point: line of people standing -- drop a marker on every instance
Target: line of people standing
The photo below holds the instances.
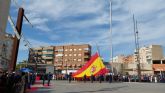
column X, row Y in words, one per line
column 99, row 78
column 16, row 82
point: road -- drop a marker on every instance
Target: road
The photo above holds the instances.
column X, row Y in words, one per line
column 80, row 87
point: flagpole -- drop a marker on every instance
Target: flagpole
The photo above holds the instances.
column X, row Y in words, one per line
column 98, row 51
column 97, row 47
column 111, row 46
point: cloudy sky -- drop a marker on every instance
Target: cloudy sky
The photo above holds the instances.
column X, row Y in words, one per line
column 58, row 22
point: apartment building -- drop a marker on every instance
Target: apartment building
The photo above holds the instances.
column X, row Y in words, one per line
column 150, row 53
column 65, row 58
column 41, row 57
column 69, row 58
column 128, row 65
column 153, row 56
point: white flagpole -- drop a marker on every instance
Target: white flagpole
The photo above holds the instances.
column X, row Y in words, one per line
column 111, row 46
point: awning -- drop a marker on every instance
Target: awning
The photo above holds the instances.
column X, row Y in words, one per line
column 158, row 67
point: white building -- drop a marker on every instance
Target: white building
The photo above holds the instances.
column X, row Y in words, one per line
column 117, row 59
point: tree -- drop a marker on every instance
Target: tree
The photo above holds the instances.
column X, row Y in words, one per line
column 21, row 65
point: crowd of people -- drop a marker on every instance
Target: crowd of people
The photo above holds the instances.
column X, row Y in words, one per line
column 16, row 82
column 156, row 78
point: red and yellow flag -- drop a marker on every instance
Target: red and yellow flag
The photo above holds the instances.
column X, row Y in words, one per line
column 94, row 67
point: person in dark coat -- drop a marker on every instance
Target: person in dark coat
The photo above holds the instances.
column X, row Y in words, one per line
column 85, row 78
column 92, row 78
column 100, row 78
column 43, row 79
column 33, row 78
column 49, row 78
column 70, row 77
column 27, row 80
column 110, row 78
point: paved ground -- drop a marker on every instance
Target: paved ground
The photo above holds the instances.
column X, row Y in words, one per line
column 80, row 87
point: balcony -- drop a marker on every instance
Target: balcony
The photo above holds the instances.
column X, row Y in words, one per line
column 49, row 62
column 47, row 52
column 46, row 57
column 48, row 48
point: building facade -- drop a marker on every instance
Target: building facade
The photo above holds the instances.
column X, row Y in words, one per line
column 41, row 57
column 123, row 64
column 4, row 10
column 153, row 55
column 71, row 57
column 150, row 53
column 65, row 59
column 128, row 65
column 6, row 44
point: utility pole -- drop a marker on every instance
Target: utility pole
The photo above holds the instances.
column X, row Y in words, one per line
column 137, row 48
column 16, row 40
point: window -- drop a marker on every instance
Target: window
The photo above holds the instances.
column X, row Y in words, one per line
column 74, row 59
column 75, row 54
column 66, row 60
column 79, row 49
column 66, row 49
column 86, row 49
column 49, row 60
column 48, row 50
column 60, row 50
column 66, row 55
column 70, row 49
column 75, row 49
column 58, row 55
column 56, row 60
column 79, row 54
column 47, row 55
column 79, row 59
column 70, row 54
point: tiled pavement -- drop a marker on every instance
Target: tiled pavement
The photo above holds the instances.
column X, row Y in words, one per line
column 80, row 87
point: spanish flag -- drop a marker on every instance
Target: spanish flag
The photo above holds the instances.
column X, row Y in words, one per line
column 94, row 67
